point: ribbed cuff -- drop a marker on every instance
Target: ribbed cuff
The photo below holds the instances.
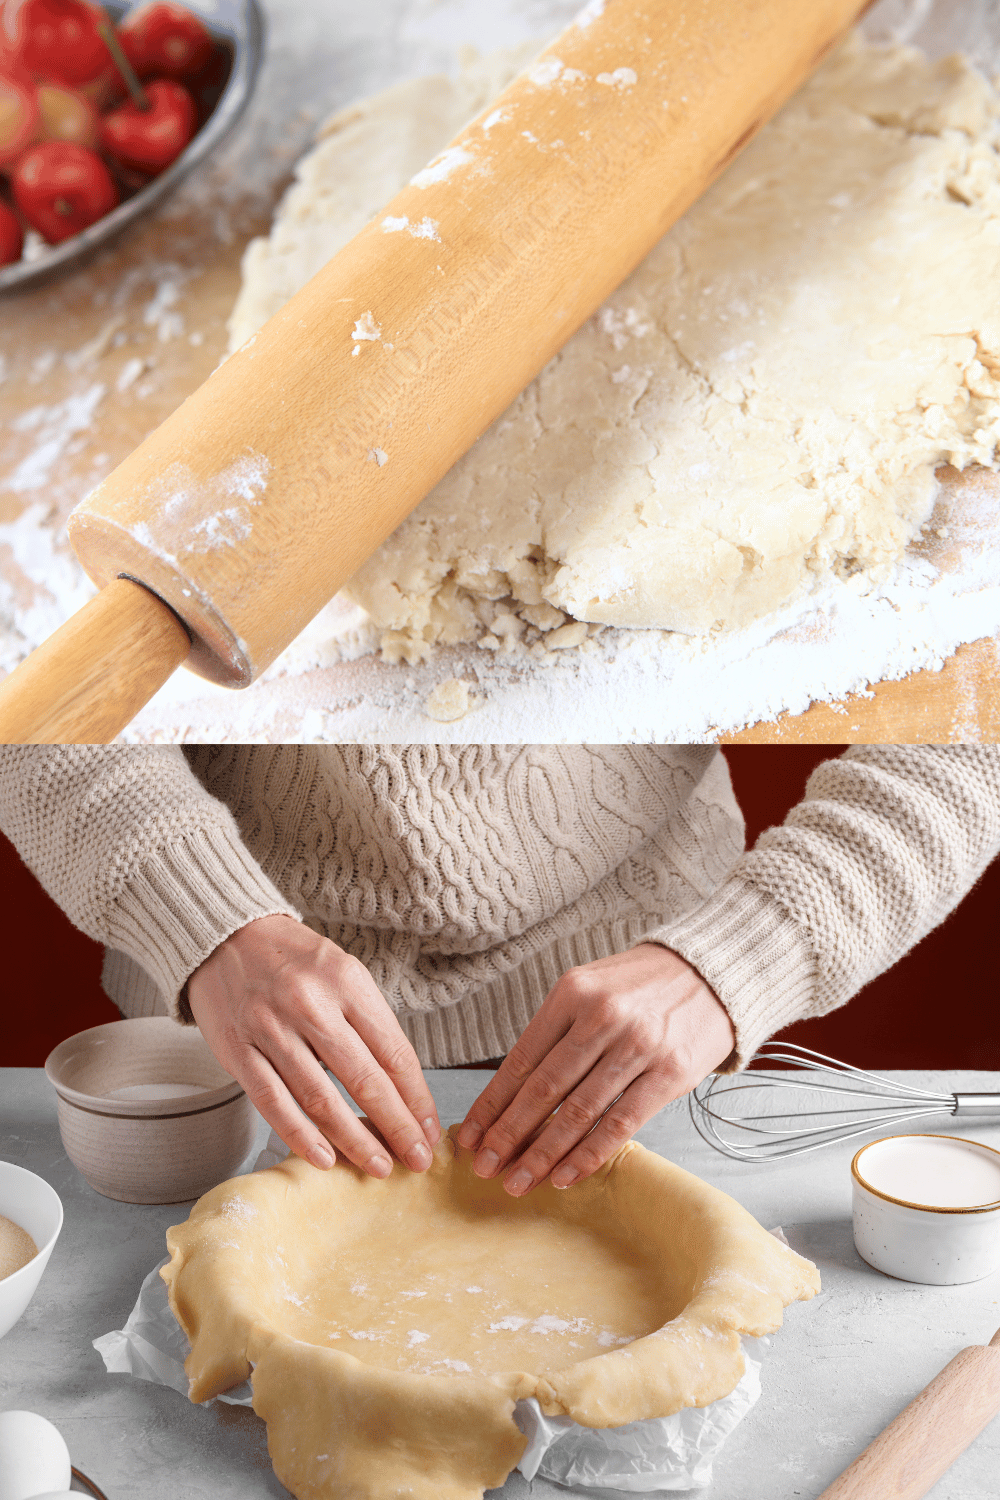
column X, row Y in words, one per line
column 184, row 901
column 754, row 955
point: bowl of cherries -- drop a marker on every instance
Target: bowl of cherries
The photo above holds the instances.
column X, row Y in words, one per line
column 103, row 109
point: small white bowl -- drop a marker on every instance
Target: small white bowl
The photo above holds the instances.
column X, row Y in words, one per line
column 146, row 1113
column 901, row 1230
column 29, row 1201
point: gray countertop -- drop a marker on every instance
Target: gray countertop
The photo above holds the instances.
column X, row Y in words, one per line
column 839, row 1370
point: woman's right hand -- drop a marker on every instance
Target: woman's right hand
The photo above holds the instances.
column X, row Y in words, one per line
column 277, row 1003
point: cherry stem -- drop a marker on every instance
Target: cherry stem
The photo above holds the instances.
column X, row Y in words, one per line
column 139, row 96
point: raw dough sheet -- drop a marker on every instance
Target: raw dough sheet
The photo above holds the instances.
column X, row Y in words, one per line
column 669, row 1453
column 392, row 1325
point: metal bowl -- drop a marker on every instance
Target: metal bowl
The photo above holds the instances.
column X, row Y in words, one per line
column 236, row 25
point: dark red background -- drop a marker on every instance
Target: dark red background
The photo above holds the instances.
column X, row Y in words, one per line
column 937, row 1008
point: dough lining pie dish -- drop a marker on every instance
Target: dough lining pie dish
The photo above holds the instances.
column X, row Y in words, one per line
column 390, row 1326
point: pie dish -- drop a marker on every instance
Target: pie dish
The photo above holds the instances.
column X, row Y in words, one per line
column 390, row 1326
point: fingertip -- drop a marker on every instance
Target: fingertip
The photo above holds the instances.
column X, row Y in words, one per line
column 418, row 1158
column 486, row 1164
column 378, row 1166
column 320, row 1157
column 470, row 1135
column 519, row 1182
column 432, row 1130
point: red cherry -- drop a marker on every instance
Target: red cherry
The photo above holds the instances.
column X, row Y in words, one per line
column 149, row 140
column 166, row 40
column 11, row 65
column 60, row 188
column 66, row 115
column 19, row 118
column 11, row 236
column 57, row 40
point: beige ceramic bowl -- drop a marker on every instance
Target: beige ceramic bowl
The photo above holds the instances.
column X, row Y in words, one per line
column 146, row 1114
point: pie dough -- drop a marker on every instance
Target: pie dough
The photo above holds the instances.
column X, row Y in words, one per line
column 760, row 406
column 393, row 1324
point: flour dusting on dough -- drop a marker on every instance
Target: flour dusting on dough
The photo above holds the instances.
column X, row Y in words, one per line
column 239, row 1209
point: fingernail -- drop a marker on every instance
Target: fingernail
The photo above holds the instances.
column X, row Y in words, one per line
column 432, row 1130
column 419, row 1157
column 564, row 1176
column 470, row 1135
column 486, row 1163
column 518, row 1182
column 378, row 1166
column 320, row 1157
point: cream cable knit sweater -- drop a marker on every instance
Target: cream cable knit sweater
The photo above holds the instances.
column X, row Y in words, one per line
column 469, row 879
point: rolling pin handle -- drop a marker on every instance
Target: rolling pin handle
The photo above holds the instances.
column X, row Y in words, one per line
column 129, row 578
column 909, row 1456
column 88, row 680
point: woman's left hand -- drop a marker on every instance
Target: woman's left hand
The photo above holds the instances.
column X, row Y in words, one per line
column 613, row 1042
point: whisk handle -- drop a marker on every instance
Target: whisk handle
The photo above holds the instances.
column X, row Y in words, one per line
column 925, row 1439
column 975, row 1106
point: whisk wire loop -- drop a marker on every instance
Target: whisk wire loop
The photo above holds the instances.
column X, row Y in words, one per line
column 886, row 1102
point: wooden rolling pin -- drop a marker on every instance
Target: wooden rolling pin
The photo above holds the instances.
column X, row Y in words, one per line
column 262, row 494
column 913, row 1452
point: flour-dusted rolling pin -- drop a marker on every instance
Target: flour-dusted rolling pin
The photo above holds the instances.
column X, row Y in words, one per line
column 251, row 505
column 913, row 1452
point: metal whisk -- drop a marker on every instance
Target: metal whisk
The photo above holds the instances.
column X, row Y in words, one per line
column 873, row 1103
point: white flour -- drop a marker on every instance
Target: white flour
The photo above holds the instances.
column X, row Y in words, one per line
column 628, row 685
column 53, row 429
column 646, row 685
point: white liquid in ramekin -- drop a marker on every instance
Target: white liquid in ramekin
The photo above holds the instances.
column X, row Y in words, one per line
column 932, row 1170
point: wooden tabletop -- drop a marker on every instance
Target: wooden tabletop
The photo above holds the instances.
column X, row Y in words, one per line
column 143, row 324
column 959, row 703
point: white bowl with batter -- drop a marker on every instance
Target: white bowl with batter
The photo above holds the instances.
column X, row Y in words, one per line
column 34, row 1208
column 927, row 1208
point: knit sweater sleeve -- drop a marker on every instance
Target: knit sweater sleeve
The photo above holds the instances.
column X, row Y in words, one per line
column 135, row 851
column 885, row 843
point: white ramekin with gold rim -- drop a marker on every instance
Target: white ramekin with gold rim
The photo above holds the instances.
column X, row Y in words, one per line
column 927, row 1208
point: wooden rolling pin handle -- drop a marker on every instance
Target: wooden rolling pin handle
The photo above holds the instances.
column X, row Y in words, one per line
column 84, row 684
column 925, row 1439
